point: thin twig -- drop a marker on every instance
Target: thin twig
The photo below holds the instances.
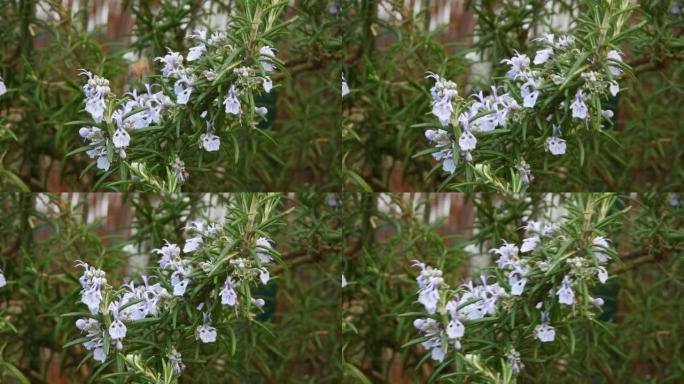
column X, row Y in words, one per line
column 644, row 257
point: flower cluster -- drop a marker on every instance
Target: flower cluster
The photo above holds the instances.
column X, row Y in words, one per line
column 95, row 334
column 171, row 259
column 135, row 304
column 141, row 110
column 476, row 302
column 452, row 310
column 131, row 303
column 516, row 99
column 92, row 281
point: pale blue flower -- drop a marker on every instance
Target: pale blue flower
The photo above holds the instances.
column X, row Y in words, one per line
column 92, row 281
column 102, row 161
column 206, row 333
column 565, row 293
column 530, row 244
column 3, row 88
column 555, row 144
column 262, row 111
column 259, row 302
column 176, row 361
column 443, row 142
column 193, row 244
column 3, row 281
column 267, row 83
column 442, row 93
column 543, row 55
column 614, row 56
column 264, row 276
column 121, row 138
column 529, row 93
column 455, row 329
column 183, row 89
column 519, row 66
column 173, row 63
column 345, row 86
column 614, row 88
column 95, row 336
column 179, row 282
column 602, row 274
column 483, row 299
column 231, row 102
column 432, row 331
column 228, row 294
column 344, row 281
column 150, row 294
column 210, row 142
column 437, row 353
column 170, row 255
column 508, row 254
column 517, row 282
column 544, row 333
column 578, row 106
column 443, row 110
column 196, row 52
column 467, row 141
column 429, row 280
column 597, row 302
column 117, row 330
column 514, row 361
column 599, row 246
column 263, row 248
column 96, row 90
column 267, row 56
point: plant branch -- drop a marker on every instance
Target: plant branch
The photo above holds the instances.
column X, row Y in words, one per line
column 641, row 257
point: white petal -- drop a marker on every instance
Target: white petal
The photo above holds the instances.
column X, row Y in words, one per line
column 467, row 142
column 99, row 355
column 117, row 330
column 455, row 329
column 345, row 88
column 264, row 276
column 448, row 165
column 192, row 244
column 196, row 52
column 121, row 138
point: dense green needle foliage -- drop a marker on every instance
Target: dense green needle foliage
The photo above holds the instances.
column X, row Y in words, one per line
column 293, row 146
column 281, row 339
column 634, row 337
column 236, row 170
column 388, row 109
